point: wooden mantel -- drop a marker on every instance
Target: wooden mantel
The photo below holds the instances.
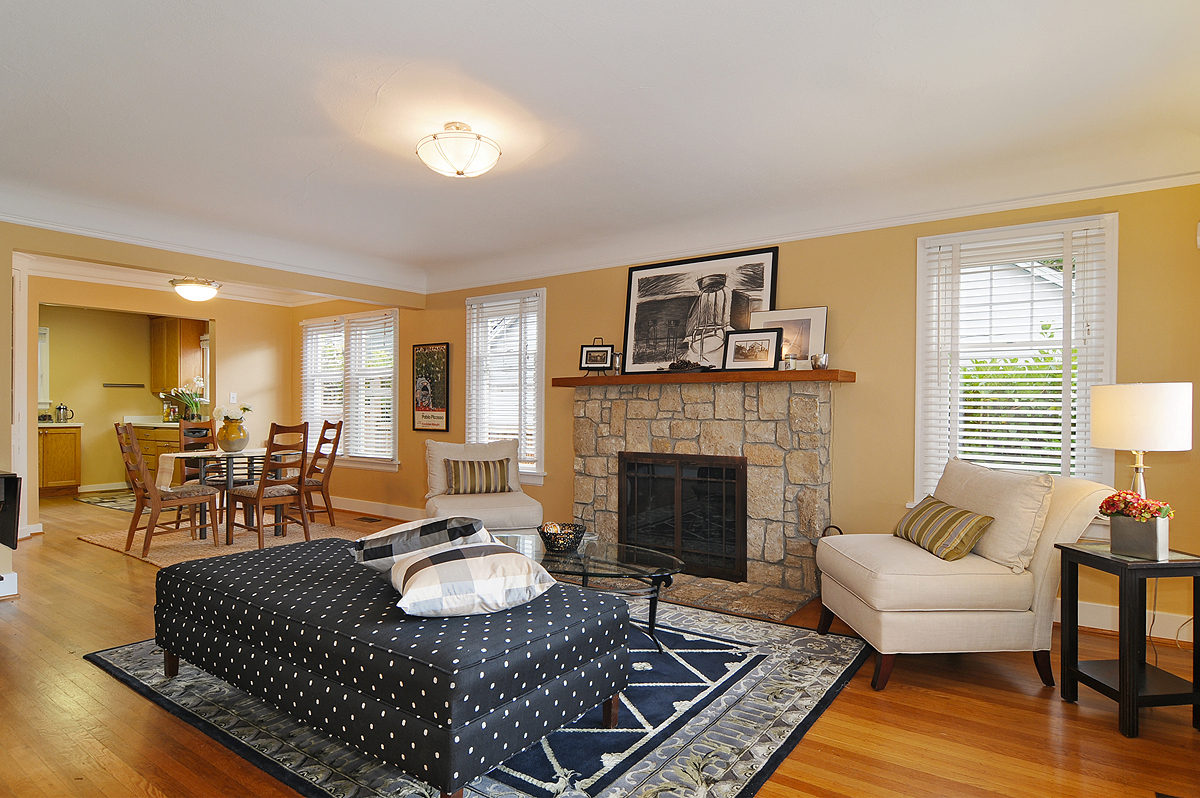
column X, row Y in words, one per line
column 663, row 377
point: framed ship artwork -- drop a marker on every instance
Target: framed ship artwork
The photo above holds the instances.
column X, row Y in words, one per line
column 431, row 387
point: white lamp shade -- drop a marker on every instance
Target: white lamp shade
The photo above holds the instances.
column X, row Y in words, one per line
column 1142, row 416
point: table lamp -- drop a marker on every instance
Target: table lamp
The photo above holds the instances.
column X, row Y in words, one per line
column 1142, row 417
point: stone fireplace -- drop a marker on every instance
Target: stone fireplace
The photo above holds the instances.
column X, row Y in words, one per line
column 781, row 422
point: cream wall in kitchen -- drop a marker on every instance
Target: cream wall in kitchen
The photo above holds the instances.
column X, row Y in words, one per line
column 88, row 348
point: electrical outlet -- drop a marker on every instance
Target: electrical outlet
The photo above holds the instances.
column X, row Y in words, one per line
column 233, row 397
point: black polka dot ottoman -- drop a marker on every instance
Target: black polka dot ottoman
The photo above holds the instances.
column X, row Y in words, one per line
column 446, row 699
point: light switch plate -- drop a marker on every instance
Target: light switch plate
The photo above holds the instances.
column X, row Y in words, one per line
column 233, row 397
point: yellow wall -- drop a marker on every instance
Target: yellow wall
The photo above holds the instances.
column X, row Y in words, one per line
column 868, row 281
column 87, row 349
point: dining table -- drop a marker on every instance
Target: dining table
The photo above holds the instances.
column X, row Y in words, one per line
column 207, row 460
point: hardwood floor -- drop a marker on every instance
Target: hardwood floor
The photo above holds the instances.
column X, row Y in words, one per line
column 947, row 725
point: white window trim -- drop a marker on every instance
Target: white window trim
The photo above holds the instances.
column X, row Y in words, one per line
column 391, row 464
column 1107, row 221
column 529, row 475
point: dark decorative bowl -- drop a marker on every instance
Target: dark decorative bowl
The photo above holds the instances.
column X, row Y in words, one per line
column 561, row 537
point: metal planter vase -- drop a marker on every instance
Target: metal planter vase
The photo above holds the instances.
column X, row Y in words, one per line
column 1146, row 540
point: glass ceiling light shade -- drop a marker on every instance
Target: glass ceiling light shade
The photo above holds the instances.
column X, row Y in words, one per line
column 1142, row 417
column 197, row 289
column 457, row 152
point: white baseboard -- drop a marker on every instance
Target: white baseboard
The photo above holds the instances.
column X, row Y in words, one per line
column 1105, row 617
column 378, row 508
column 103, row 486
column 29, row 529
column 8, row 584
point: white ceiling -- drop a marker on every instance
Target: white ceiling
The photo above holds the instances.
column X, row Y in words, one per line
column 281, row 132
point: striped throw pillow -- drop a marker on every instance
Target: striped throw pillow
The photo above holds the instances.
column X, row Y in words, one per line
column 477, row 476
column 381, row 549
column 467, row 580
column 942, row 529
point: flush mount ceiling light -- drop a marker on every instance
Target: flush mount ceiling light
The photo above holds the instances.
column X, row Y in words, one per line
column 196, row 289
column 457, row 152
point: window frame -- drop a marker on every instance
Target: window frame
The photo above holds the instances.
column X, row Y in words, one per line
column 345, row 322
column 931, row 303
column 532, row 469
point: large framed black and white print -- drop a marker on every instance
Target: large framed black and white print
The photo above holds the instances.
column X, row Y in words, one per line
column 431, row 387
column 681, row 310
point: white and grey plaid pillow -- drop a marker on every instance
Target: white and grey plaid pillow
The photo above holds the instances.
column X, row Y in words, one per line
column 381, row 549
column 467, row 580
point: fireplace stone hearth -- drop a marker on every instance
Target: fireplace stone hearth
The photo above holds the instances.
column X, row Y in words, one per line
column 783, row 428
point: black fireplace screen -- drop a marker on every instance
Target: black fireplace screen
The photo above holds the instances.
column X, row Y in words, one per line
column 692, row 506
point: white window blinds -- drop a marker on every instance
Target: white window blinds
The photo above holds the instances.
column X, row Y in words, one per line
column 1014, row 326
column 505, row 335
column 348, row 373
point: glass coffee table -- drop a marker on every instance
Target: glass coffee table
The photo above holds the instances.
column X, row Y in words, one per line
column 607, row 562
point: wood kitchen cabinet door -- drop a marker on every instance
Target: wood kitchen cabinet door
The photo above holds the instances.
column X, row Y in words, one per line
column 175, row 354
column 59, row 471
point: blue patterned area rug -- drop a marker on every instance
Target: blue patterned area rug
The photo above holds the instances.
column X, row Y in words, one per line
column 713, row 714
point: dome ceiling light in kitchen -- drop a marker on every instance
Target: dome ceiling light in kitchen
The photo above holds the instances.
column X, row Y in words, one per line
column 197, row 289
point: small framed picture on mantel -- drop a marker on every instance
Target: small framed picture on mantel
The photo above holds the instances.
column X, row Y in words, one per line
column 596, row 357
column 752, row 350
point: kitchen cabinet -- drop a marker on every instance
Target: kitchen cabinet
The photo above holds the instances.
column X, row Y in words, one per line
column 59, row 449
column 156, row 440
column 176, row 357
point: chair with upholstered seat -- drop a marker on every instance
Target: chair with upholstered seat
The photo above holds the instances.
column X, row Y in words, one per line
column 196, row 436
column 148, row 494
column 488, row 491
column 320, row 468
column 903, row 599
column 280, row 485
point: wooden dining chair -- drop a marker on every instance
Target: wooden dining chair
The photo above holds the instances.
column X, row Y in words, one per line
column 280, row 485
column 320, row 467
column 147, row 494
column 197, row 436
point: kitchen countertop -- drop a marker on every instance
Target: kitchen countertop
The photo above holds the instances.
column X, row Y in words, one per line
column 45, row 424
column 155, row 422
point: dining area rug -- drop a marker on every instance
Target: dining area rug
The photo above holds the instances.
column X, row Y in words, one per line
column 714, row 713
column 180, row 546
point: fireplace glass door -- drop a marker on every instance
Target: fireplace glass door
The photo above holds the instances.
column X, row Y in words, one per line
column 690, row 506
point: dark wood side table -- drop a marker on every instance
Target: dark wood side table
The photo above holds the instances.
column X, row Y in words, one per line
column 1128, row 680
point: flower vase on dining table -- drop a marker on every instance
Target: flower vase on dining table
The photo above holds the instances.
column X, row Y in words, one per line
column 232, row 436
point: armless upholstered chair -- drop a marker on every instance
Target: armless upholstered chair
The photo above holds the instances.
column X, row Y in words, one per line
column 999, row 597
column 504, row 509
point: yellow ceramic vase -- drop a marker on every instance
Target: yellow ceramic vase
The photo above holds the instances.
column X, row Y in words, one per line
column 232, row 436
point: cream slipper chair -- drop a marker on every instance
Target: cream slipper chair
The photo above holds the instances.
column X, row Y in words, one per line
column 512, row 512
column 1000, row 597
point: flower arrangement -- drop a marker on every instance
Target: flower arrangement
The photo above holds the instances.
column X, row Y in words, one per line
column 234, row 413
column 191, row 396
column 1129, row 503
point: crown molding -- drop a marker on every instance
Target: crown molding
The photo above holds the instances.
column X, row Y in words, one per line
column 82, row 271
column 139, row 227
column 483, row 275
